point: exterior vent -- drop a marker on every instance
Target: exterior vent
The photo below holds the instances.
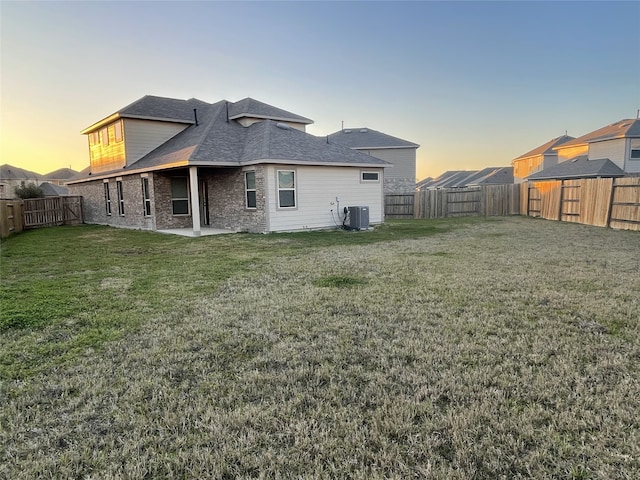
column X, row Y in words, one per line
column 283, row 126
column 363, row 130
column 358, row 218
column 347, row 131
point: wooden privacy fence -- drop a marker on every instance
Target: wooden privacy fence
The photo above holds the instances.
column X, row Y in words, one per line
column 604, row 202
column 16, row 215
column 487, row 200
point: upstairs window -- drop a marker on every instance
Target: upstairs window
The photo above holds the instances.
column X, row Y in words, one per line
column 104, row 133
column 117, row 131
column 94, row 138
column 180, row 195
column 635, row 154
column 286, row 188
column 250, row 189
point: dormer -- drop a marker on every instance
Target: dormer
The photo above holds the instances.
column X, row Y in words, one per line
column 249, row 111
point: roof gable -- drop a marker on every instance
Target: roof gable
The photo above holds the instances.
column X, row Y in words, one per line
column 546, row 148
column 627, row 128
column 9, row 172
column 366, row 138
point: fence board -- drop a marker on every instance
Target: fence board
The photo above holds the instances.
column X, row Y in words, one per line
column 625, row 204
column 399, row 206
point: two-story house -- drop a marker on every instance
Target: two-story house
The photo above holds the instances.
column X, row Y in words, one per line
column 537, row 159
column 162, row 163
column 401, row 177
column 618, row 142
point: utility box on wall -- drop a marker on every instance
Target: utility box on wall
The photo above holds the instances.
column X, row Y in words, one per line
column 358, row 218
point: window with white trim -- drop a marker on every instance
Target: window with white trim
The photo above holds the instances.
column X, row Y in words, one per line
column 286, row 188
column 180, row 195
column 250, row 189
column 635, row 154
column 120, row 198
column 146, row 197
column 370, row 177
column 107, row 198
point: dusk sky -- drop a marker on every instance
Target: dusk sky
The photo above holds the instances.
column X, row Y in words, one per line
column 476, row 84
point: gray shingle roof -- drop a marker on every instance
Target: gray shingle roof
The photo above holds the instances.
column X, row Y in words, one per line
column 546, row 148
column 61, row 174
column 248, row 107
column 218, row 142
column 365, row 138
column 9, row 172
column 493, row 176
column 579, row 167
column 51, row 190
column 627, row 128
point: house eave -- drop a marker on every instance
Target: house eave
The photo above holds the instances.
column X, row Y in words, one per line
column 112, row 118
column 386, row 148
column 315, row 163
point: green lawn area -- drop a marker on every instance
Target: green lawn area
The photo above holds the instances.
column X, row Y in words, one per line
column 452, row 349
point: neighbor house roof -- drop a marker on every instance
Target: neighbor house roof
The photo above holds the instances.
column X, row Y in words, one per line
column 627, row 128
column 579, row 167
column 465, row 178
column 218, row 140
column 9, row 172
column 546, row 148
column 61, row 174
column 51, row 190
column 366, row 138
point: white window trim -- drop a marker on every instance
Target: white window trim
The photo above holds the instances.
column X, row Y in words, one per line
column 363, row 180
column 146, row 195
column 107, row 198
column 247, row 190
column 187, row 198
column 295, row 188
column 120, row 194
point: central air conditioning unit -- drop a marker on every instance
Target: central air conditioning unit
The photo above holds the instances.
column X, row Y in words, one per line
column 358, row 218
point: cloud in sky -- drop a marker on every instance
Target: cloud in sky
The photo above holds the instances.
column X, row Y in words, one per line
column 474, row 83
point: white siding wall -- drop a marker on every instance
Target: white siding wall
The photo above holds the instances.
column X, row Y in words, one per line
column 403, row 159
column 142, row 136
column 632, row 166
column 316, row 192
column 615, row 150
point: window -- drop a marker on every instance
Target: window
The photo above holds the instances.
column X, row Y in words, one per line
column 286, row 188
column 250, row 188
column 373, row 177
column 94, row 138
column 180, row 196
column 107, row 198
column 635, row 154
column 120, row 197
column 146, row 197
column 104, row 133
column 117, row 130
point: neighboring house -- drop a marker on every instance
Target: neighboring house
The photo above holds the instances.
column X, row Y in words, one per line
column 60, row 176
column 537, row 159
column 401, row 177
column 618, row 142
column 12, row 177
column 469, row 178
column 162, row 163
column 579, row 167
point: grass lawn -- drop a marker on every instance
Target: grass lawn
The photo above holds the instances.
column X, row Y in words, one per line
column 454, row 349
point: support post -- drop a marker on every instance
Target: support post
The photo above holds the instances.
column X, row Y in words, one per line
column 195, row 200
